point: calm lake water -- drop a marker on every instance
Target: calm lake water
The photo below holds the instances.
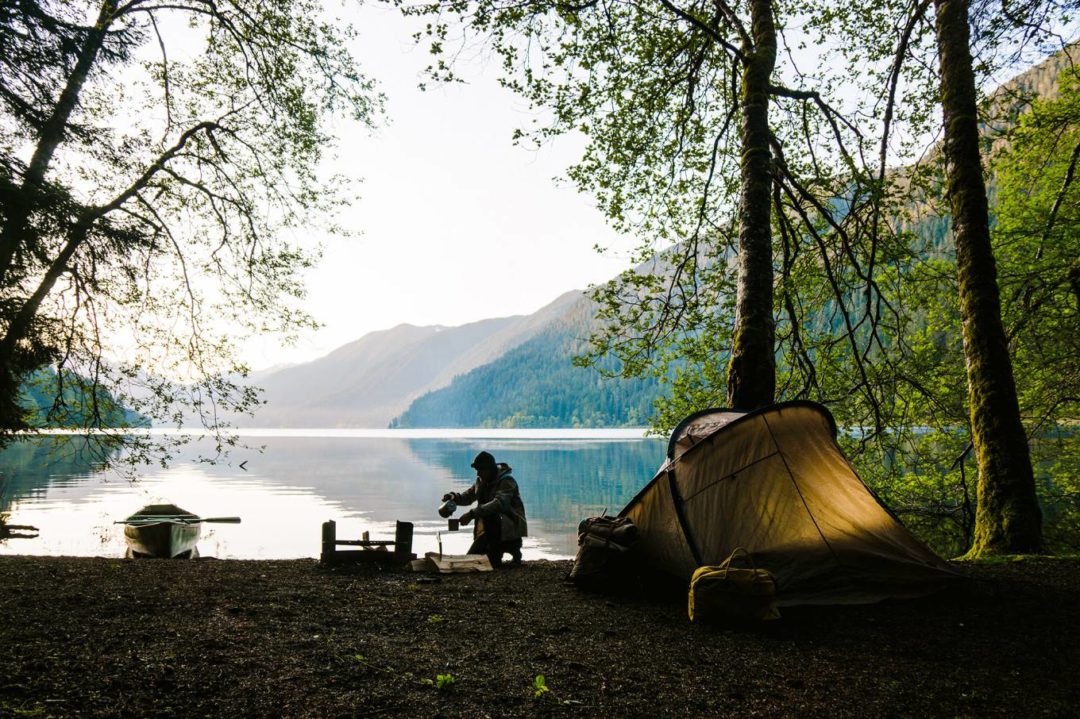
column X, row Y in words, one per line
column 362, row 479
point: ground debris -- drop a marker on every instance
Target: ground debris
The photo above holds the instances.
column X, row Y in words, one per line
column 101, row 638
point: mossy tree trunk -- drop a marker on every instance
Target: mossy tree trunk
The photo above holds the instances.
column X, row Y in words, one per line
column 752, row 369
column 1007, row 516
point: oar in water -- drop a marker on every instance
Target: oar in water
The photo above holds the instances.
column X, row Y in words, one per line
column 154, row 519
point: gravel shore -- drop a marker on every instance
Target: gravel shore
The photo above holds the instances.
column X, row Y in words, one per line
column 83, row 637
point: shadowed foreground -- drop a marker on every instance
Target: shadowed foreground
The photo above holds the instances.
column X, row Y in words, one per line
column 105, row 637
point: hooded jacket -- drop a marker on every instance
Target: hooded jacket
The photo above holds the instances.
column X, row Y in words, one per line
column 497, row 500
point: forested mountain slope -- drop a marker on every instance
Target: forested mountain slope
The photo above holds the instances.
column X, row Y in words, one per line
column 537, row 385
column 70, row 400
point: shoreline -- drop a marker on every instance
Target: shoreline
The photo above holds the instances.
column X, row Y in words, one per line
column 99, row 637
column 582, row 434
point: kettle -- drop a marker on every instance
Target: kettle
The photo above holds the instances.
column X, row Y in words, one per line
column 447, row 508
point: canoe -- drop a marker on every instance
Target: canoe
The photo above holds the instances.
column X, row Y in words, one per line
column 162, row 530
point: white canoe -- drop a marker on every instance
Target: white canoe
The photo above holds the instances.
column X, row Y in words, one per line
column 162, row 530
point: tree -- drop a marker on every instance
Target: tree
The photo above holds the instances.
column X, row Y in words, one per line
column 752, row 369
column 675, row 100
column 1000, row 37
column 1007, row 516
column 1037, row 244
column 650, row 86
column 154, row 159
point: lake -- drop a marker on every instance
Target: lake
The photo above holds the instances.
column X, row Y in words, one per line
column 362, row 479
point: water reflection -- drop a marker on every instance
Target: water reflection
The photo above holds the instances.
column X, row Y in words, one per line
column 29, row 466
column 285, row 492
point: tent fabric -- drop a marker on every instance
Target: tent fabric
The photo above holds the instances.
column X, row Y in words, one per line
column 697, row 427
column 775, row 482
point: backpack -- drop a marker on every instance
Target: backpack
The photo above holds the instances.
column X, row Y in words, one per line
column 603, row 545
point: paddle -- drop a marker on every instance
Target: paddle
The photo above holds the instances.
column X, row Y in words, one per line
column 154, row 518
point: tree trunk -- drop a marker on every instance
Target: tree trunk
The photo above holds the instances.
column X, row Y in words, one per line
column 16, row 234
column 752, row 370
column 1007, row 515
column 12, row 366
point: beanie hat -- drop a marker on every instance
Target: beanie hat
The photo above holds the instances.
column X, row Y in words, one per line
column 484, row 459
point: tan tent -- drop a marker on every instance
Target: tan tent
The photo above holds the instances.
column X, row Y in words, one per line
column 775, row 482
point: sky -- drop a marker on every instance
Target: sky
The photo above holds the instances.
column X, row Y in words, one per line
column 456, row 223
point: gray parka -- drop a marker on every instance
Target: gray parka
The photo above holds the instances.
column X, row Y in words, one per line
column 498, row 500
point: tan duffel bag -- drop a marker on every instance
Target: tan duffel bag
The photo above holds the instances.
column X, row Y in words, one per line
column 732, row 594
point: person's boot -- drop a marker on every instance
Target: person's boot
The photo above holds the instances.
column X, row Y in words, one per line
column 515, row 557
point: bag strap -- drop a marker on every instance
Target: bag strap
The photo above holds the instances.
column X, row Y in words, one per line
column 741, row 553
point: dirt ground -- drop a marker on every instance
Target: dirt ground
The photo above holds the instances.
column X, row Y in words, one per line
column 83, row 637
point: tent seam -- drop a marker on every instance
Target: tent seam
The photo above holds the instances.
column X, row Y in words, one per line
column 732, row 474
column 791, row 476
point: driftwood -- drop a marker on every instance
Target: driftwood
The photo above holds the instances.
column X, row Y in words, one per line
column 14, row 531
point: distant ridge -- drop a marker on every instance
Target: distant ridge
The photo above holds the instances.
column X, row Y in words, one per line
column 368, row 382
column 537, row 385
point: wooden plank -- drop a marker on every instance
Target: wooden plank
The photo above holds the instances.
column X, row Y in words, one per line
column 365, row 542
column 397, row 550
column 403, row 536
column 359, row 556
column 455, row 563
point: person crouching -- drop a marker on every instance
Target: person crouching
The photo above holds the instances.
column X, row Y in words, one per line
column 499, row 513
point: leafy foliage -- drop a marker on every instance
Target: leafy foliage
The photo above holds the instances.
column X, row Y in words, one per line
column 660, row 91
column 919, row 466
column 1037, row 241
column 865, row 298
column 159, row 176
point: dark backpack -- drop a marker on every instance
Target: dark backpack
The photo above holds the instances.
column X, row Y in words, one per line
column 603, row 556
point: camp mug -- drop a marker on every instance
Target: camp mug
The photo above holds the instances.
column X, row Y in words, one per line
column 447, row 508
column 453, row 524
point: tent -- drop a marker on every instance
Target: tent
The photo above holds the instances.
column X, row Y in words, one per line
column 775, row 482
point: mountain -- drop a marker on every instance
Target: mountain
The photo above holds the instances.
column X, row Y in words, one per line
column 70, row 400
column 537, row 385
column 369, row 382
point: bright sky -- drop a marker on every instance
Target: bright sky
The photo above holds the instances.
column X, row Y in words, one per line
column 457, row 223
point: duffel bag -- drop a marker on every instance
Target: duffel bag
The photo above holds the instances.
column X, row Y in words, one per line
column 726, row 593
